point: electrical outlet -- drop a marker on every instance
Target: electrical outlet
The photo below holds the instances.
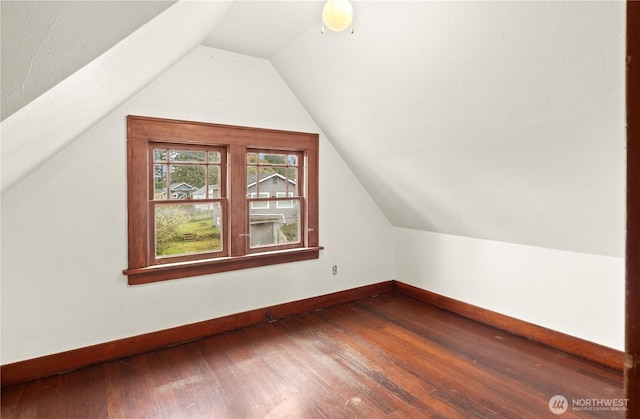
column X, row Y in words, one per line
column 334, row 270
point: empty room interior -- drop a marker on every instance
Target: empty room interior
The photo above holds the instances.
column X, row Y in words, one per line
column 315, row 209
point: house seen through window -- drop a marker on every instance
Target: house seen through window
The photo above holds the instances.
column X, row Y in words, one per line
column 270, row 177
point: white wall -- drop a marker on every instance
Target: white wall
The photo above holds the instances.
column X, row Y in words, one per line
column 64, row 232
column 578, row 294
column 64, row 239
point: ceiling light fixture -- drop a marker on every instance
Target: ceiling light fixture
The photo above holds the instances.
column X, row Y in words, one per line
column 337, row 15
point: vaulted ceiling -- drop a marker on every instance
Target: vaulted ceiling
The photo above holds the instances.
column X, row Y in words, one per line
column 495, row 120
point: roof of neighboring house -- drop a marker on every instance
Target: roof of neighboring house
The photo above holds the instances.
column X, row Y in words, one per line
column 182, row 186
column 251, row 180
column 201, row 190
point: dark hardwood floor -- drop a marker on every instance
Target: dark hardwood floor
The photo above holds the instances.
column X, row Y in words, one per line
column 387, row 356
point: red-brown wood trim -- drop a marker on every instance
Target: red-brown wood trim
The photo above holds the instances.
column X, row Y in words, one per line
column 312, row 182
column 65, row 361
column 570, row 344
column 172, row 130
column 178, row 270
column 632, row 327
column 237, row 192
column 143, row 266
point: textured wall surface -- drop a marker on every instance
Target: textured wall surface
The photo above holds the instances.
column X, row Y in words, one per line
column 46, row 41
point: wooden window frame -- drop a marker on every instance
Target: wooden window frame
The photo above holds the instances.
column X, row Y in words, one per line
column 142, row 131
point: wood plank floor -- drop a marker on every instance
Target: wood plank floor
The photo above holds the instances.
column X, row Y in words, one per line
column 387, row 356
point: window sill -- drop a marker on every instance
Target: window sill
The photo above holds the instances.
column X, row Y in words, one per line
column 210, row 266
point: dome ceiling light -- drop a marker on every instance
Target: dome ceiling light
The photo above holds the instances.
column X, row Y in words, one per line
column 337, row 15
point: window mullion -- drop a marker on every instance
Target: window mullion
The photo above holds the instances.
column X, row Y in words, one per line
column 237, row 213
column 311, row 192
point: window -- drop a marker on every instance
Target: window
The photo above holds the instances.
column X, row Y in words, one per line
column 206, row 198
column 187, row 173
column 259, row 204
column 284, row 204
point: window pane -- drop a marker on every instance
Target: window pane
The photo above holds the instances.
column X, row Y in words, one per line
column 187, row 229
column 159, row 154
column 213, row 178
column 292, row 184
column 260, row 204
column 284, row 204
column 265, row 172
column 258, row 184
column 273, row 159
column 203, row 193
column 160, row 181
column 274, row 226
column 187, row 155
column 185, row 180
column 214, row 157
column 252, row 185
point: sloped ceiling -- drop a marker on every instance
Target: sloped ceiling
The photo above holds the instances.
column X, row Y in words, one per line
column 46, row 41
column 496, row 120
column 48, row 123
